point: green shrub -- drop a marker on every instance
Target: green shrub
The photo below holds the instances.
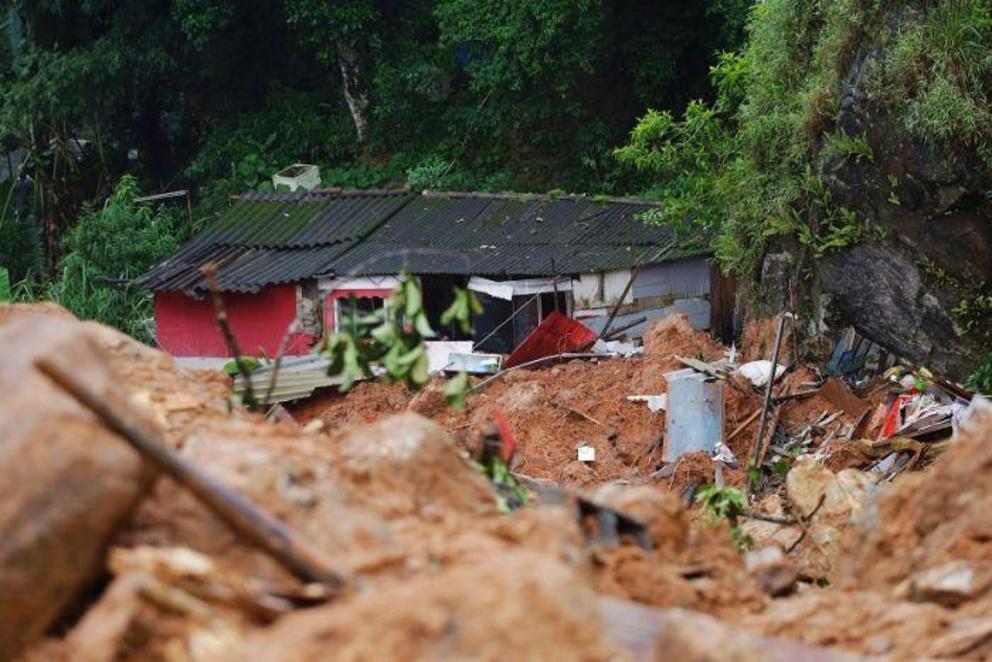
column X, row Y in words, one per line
column 116, row 242
column 749, row 166
column 981, row 380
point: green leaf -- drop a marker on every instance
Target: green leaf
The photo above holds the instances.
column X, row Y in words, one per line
column 456, row 391
column 412, row 297
column 423, row 326
column 419, row 375
column 462, row 307
column 5, row 292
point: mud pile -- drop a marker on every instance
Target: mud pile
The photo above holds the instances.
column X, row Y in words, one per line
column 914, row 572
column 432, row 569
column 554, row 410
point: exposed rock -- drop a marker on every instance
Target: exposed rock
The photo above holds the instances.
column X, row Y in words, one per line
column 930, row 199
column 879, row 289
column 776, row 573
column 948, row 585
column 831, row 501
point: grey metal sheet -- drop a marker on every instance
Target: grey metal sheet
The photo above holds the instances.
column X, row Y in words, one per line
column 268, row 238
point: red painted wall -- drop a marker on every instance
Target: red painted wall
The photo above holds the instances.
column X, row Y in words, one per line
column 186, row 326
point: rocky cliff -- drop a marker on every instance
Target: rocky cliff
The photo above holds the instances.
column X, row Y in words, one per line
column 914, row 104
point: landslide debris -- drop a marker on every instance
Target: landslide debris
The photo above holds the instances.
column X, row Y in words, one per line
column 913, row 573
column 435, row 570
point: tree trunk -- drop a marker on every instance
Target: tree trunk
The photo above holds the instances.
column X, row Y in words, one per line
column 354, row 91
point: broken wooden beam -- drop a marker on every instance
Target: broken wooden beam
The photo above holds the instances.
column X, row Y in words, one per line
column 758, row 453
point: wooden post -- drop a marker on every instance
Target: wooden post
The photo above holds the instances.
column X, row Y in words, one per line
column 757, row 451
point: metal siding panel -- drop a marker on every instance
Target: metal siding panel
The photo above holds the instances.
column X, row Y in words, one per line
column 682, row 278
column 694, row 420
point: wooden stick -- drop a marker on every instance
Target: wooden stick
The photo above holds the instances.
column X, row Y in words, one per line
column 804, row 525
column 209, row 272
column 740, row 428
column 769, row 517
column 245, row 518
column 293, row 328
column 757, row 454
column 579, row 413
column 527, row 364
column 624, row 327
column 793, row 396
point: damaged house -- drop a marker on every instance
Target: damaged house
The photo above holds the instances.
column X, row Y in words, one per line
column 315, row 256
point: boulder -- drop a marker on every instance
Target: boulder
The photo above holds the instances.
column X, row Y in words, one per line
column 66, row 482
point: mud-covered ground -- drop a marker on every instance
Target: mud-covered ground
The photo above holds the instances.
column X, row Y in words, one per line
column 432, row 569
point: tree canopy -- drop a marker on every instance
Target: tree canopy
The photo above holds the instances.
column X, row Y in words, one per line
column 217, row 95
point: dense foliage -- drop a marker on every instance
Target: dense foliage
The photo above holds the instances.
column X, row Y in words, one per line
column 738, row 105
column 215, row 96
column 117, row 241
column 751, row 165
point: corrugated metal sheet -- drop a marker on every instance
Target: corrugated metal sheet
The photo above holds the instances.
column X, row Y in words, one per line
column 300, row 220
column 268, row 238
column 271, row 238
column 554, row 335
column 299, row 377
column 241, row 269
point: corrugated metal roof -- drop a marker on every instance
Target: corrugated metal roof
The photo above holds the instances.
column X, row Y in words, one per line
column 271, row 220
column 269, row 238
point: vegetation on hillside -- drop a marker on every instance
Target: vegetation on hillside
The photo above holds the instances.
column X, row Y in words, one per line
column 751, row 165
column 739, row 105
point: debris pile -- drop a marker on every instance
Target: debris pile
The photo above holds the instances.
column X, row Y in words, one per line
column 105, row 558
column 914, row 571
column 556, row 410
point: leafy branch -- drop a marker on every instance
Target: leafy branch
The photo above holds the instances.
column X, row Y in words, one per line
column 389, row 342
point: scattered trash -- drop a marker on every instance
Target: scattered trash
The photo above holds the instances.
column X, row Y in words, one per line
column 474, row 363
column 655, row 403
column 722, row 453
column 757, row 372
column 600, row 544
column 616, row 347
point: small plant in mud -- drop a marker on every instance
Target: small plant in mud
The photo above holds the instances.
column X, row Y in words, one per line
column 981, row 380
column 726, row 503
column 389, row 342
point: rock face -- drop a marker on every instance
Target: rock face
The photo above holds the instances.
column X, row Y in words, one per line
column 878, row 289
column 930, row 200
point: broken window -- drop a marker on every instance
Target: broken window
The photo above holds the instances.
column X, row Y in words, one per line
column 348, row 310
column 308, row 307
